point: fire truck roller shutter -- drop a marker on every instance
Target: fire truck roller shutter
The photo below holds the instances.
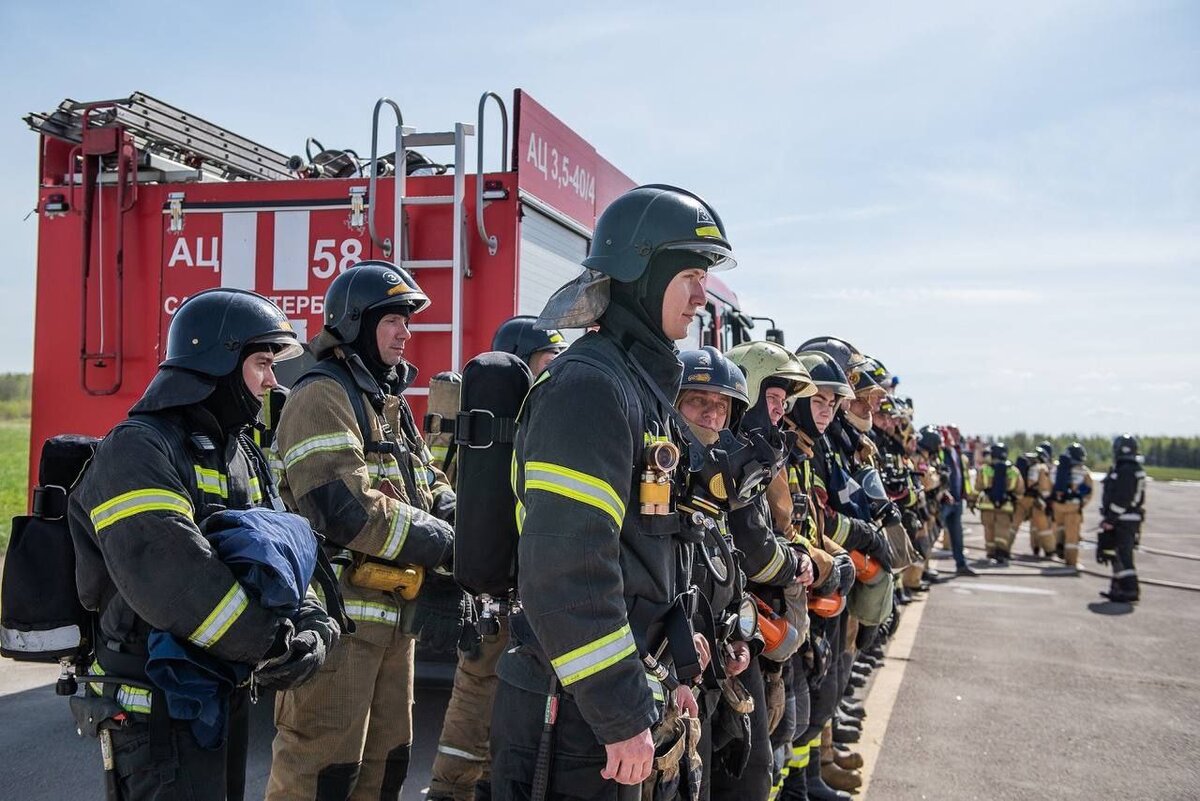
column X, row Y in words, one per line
column 551, row 255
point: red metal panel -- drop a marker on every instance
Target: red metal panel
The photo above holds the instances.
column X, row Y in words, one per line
column 555, row 165
column 274, row 237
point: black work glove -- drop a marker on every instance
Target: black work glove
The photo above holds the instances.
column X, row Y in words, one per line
column 843, row 567
column 444, row 505
column 443, row 612
column 1106, row 543
column 299, row 652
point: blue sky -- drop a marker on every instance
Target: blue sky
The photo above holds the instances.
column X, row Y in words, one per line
column 1001, row 202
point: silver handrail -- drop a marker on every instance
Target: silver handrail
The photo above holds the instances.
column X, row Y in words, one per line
column 491, row 241
column 386, row 244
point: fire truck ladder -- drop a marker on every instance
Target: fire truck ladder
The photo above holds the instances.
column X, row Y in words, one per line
column 168, row 136
column 407, row 138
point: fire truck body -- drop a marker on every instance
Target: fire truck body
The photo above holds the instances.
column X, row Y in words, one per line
column 139, row 212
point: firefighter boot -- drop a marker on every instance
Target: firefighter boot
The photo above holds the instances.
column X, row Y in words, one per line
column 818, row 790
column 850, row 760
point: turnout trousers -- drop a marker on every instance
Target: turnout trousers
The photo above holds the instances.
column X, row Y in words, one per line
column 1124, row 579
column 462, row 759
column 997, row 531
column 1069, row 517
column 193, row 773
column 578, row 756
column 346, row 734
column 1041, row 534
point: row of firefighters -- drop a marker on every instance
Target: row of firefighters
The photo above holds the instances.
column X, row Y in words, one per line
column 707, row 550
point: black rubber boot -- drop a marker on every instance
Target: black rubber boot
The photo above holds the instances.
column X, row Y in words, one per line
column 818, row 790
column 795, row 786
column 844, row 735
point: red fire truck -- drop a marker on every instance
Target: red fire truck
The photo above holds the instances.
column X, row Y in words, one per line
column 142, row 204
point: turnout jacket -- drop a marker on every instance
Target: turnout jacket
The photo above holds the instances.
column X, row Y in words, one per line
column 385, row 506
column 1014, row 485
column 597, row 578
column 141, row 561
column 1124, row 493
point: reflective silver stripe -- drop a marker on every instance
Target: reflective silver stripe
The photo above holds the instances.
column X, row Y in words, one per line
column 369, row 612
column 32, row 642
column 399, row 533
column 136, row 502
column 1130, row 517
column 342, row 440
column 590, row 659
column 221, row 617
column 576, row 485
column 455, row 752
column 1118, row 509
column 1071, row 546
column 769, row 572
column 656, row 688
column 211, row 481
column 1130, row 573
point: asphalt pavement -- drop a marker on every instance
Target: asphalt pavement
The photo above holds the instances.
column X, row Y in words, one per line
column 1022, row 683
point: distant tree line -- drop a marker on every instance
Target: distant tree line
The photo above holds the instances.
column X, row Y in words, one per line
column 1159, row 451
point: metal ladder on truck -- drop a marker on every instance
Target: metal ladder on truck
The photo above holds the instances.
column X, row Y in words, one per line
column 174, row 145
column 407, row 139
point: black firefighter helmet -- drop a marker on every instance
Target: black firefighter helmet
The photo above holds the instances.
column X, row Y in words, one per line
column 1076, row 453
column 1125, row 447
column 518, row 335
column 366, row 286
column 998, row 451
column 210, row 330
column 1045, row 451
column 929, row 439
column 708, row 370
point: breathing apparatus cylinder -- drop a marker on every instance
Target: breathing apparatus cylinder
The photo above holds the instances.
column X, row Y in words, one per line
column 494, row 386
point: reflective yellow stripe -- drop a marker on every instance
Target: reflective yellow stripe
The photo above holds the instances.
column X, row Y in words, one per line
column 842, row 530
column 212, row 482
column 576, row 486
column 399, row 533
column 255, row 490
column 772, row 568
column 369, row 612
column 520, row 517
column 800, row 756
column 656, row 688
column 544, row 375
column 223, row 615
column 339, row 441
column 131, row 699
column 438, row 453
column 136, row 502
column 590, row 659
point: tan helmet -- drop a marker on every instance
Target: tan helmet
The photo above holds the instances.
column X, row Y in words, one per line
column 763, row 360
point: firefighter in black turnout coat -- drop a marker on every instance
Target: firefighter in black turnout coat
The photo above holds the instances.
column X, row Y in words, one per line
column 601, row 573
column 142, row 562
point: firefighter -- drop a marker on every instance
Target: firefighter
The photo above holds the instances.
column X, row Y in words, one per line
column 462, row 762
column 537, row 348
column 1122, row 504
column 1034, row 502
column 1072, row 491
column 143, row 564
column 999, row 486
column 778, row 567
column 596, row 465
column 821, row 674
column 713, row 397
column 355, row 466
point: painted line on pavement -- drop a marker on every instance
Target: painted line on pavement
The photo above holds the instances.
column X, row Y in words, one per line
column 885, row 688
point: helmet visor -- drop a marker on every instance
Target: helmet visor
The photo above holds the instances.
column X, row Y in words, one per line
column 289, row 345
column 716, row 254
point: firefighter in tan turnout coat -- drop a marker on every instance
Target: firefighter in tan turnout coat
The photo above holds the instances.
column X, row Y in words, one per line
column 386, row 514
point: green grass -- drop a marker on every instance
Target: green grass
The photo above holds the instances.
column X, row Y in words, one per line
column 14, row 475
column 1173, row 473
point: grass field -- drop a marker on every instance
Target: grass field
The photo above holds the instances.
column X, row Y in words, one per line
column 14, row 462
column 1173, row 473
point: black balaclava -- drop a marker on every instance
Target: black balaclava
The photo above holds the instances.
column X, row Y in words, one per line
column 757, row 416
column 643, row 298
column 367, row 344
column 801, row 415
column 232, row 403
